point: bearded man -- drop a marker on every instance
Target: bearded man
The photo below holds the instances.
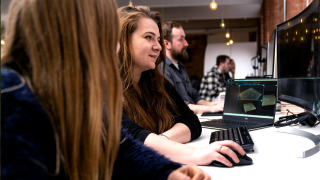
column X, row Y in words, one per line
column 176, row 45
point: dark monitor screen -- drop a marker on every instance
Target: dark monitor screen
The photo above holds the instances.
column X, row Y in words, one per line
column 271, row 53
column 298, row 59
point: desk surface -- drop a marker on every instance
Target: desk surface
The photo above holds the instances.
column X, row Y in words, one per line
column 276, row 155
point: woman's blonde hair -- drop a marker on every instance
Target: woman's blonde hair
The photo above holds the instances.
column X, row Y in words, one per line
column 66, row 49
column 146, row 103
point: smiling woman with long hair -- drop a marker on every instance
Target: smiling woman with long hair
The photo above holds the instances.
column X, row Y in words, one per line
column 61, row 97
column 154, row 113
column 149, row 99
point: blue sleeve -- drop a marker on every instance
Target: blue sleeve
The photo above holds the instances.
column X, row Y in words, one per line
column 28, row 149
column 195, row 95
column 134, row 129
column 136, row 161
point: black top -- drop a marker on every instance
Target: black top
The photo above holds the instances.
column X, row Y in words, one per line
column 186, row 116
column 227, row 75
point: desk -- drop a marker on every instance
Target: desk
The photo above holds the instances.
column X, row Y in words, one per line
column 275, row 156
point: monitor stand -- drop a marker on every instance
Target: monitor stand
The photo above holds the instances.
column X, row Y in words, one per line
column 312, row 137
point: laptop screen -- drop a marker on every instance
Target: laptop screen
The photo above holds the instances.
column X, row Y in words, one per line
column 251, row 98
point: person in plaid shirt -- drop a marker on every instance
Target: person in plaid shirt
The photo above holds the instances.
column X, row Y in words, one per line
column 215, row 81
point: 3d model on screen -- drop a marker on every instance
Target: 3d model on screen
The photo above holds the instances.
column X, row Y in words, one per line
column 250, row 94
column 268, row 100
column 248, row 107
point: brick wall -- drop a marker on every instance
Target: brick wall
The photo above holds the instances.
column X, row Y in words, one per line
column 272, row 13
column 267, row 17
column 196, row 49
column 295, row 6
column 261, row 27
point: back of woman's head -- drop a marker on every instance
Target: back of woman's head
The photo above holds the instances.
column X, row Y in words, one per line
column 145, row 102
column 66, row 49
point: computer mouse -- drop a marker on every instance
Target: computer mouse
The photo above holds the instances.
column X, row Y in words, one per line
column 243, row 160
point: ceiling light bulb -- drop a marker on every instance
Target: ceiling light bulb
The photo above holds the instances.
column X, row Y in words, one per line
column 2, row 42
column 213, row 5
column 222, row 25
column 227, row 35
column 231, row 42
column 227, row 43
column 130, row 3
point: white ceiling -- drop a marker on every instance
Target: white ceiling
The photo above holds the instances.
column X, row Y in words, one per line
column 194, row 14
column 200, row 10
column 189, row 9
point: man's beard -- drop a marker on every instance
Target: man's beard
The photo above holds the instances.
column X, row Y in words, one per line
column 180, row 56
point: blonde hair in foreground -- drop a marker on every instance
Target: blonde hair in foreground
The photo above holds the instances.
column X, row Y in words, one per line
column 66, row 49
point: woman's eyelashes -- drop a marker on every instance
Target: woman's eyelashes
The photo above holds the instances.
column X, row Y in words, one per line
column 151, row 38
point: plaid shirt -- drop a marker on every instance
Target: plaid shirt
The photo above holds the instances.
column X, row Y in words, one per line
column 212, row 84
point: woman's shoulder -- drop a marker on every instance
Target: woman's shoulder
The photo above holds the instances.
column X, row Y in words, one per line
column 10, row 80
column 17, row 98
column 26, row 129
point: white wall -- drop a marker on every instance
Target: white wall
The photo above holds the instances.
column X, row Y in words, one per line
column 241, row 52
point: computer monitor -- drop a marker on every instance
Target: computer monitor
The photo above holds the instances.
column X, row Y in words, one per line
column 271, row 54
column 263, row 60
column 298, row 59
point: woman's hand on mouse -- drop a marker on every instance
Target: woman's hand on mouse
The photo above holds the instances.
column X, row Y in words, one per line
column 215, row 151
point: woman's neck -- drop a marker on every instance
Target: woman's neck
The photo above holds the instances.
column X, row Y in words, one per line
column 136, row 76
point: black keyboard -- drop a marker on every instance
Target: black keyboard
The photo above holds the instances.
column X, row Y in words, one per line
column 235, row 122
column 239, row 135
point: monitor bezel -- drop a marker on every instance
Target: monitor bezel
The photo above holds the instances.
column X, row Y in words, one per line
column 274, row 37
column 287, row 24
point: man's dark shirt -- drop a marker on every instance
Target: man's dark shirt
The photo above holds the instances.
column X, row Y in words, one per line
column 227, row 75
column 180, row 80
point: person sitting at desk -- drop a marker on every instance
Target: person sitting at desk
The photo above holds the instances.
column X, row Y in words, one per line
column 154, row 113
column 215, row 81
column 59, row 64
column 175, row 46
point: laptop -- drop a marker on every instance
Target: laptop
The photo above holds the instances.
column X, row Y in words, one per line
column 248, row 102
